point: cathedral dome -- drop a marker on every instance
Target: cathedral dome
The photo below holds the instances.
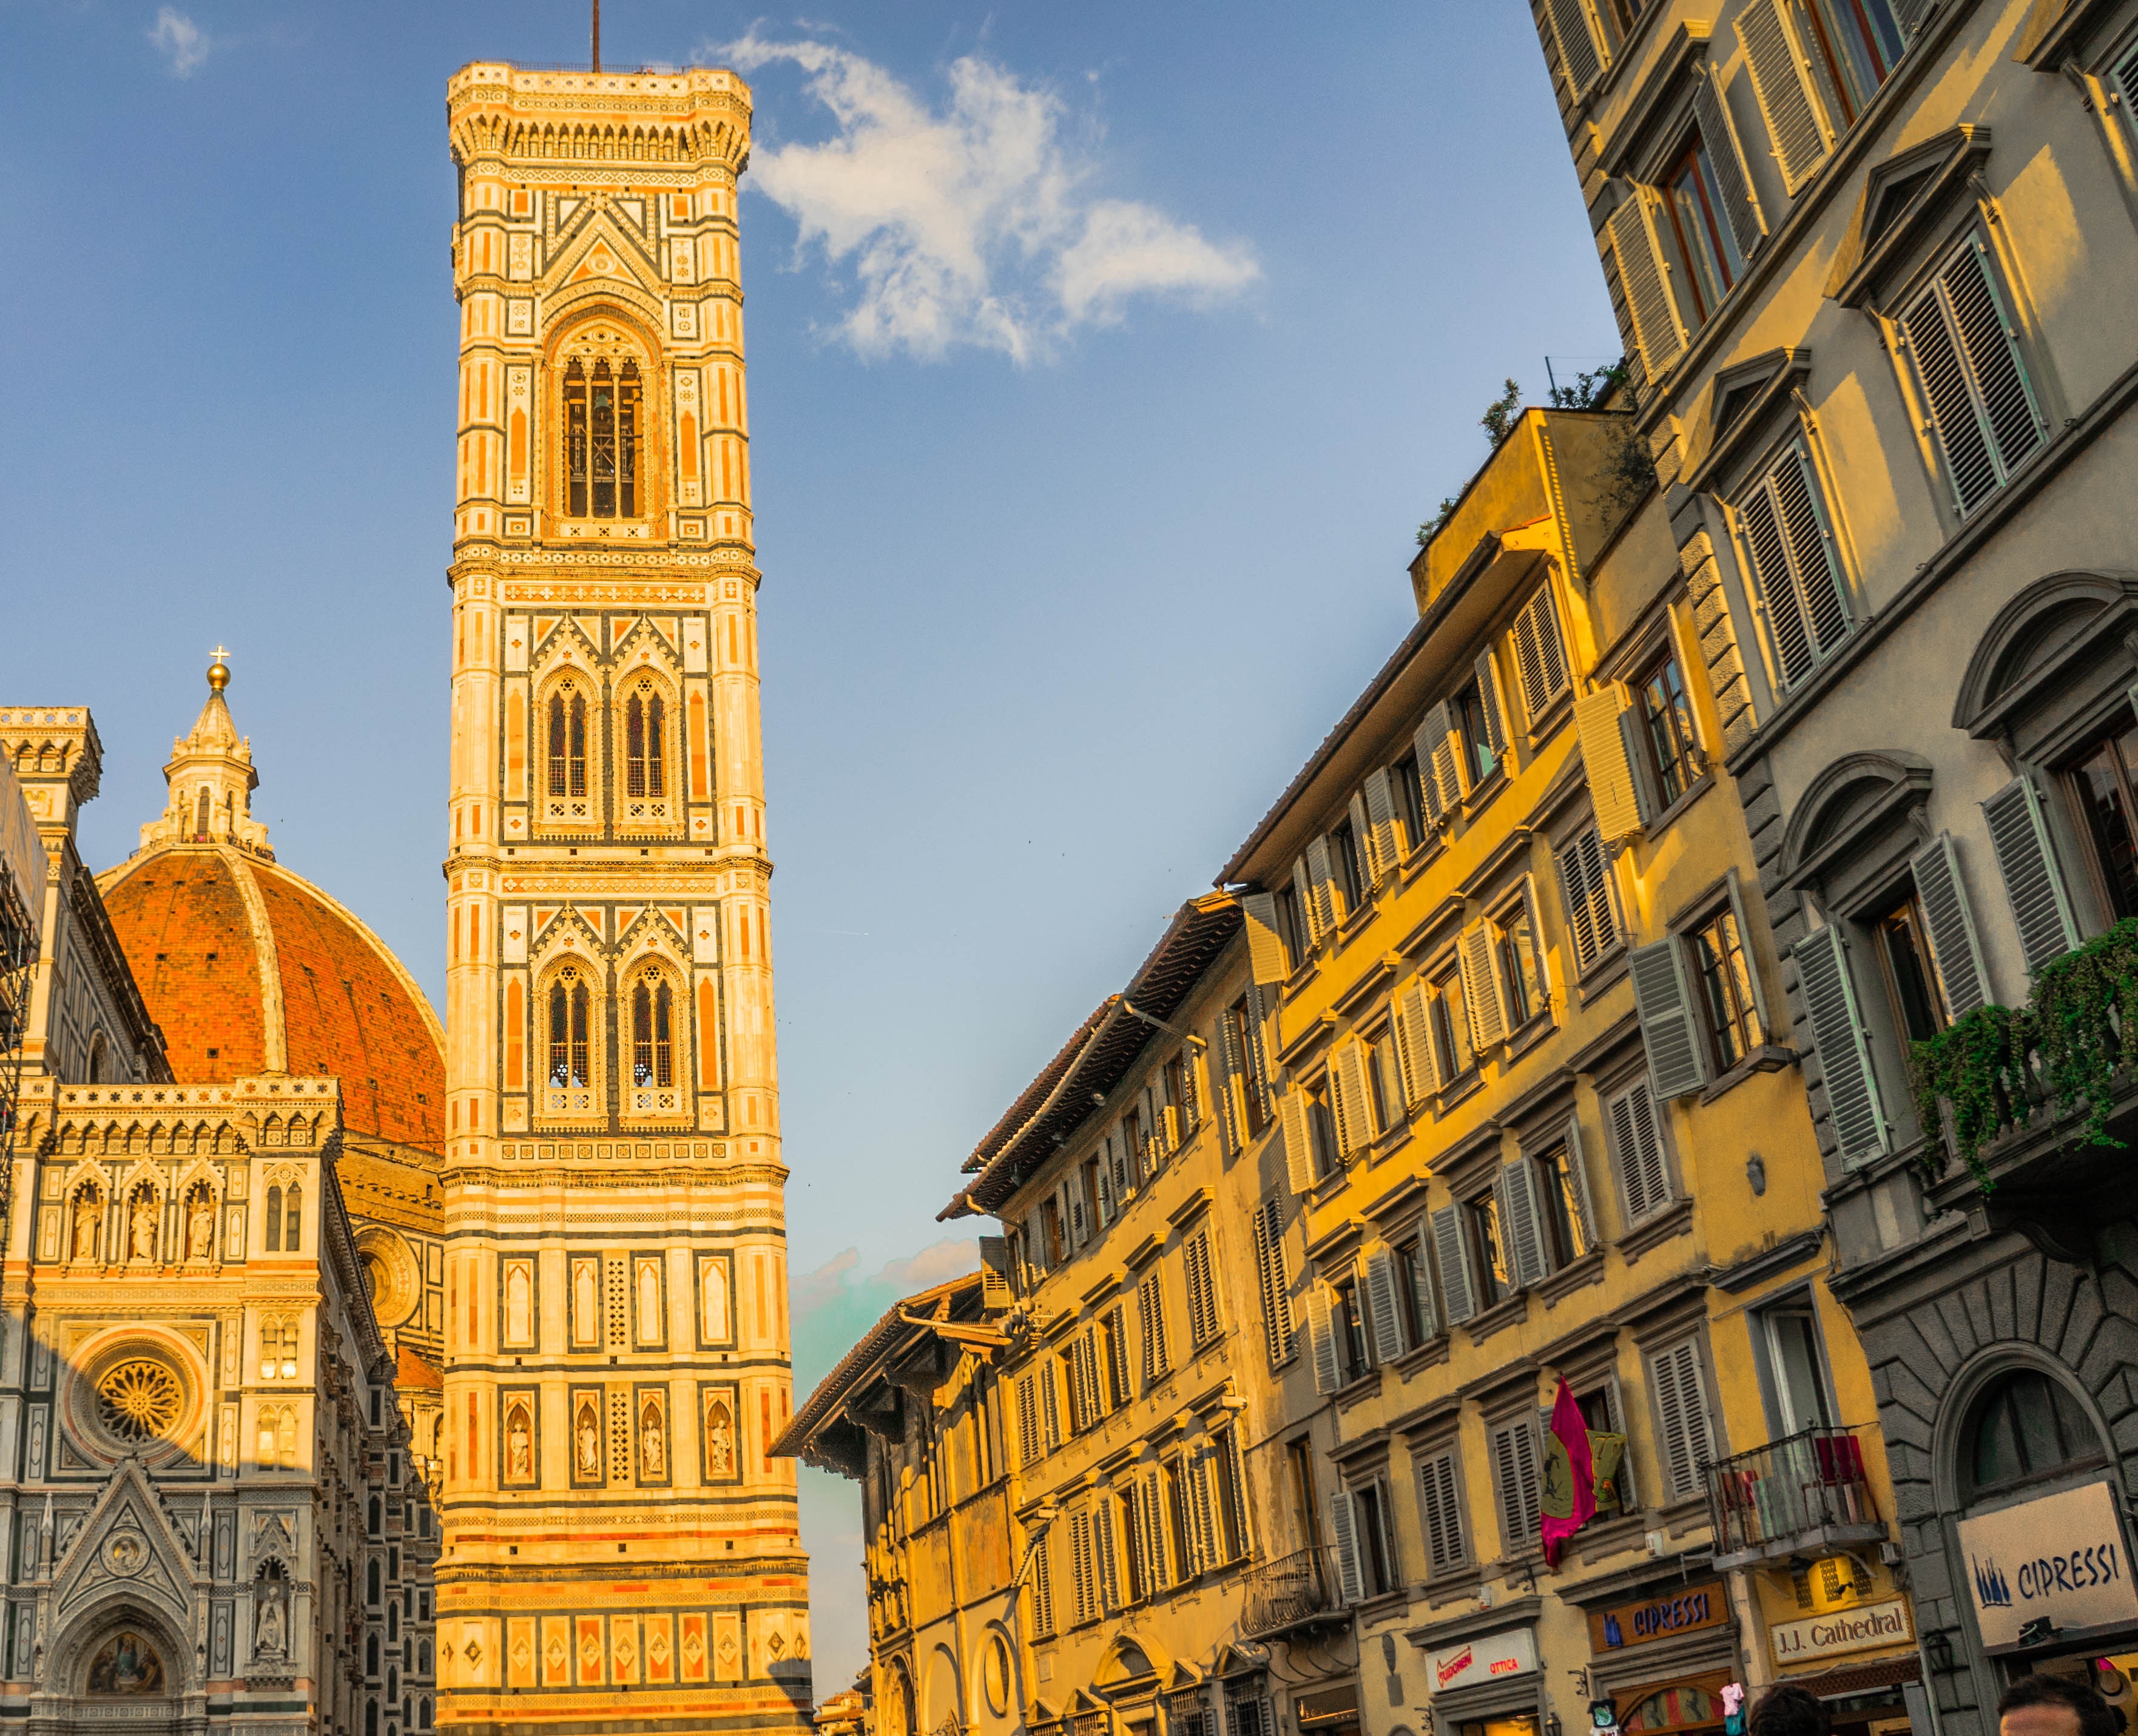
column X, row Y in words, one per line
column 251, row 969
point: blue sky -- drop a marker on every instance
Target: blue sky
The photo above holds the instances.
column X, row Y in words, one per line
column 1103, row 361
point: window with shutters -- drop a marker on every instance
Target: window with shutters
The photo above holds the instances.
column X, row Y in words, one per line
column 1786, row 1340
column 1177, row 1076
column 1414, row 1291
column 1135, row 1544
column 1440, row 1512
column 1539, row 649
column 1291, row 926
column 1490, row 1272
column 1566, row 1219
column 1699, row 233
column 1851, row 46
column 1637, row 1152
column 1042, row 1589
column 1375, row 1539
column 1786, row 535
column 1668, row 741
column 1410, row 800
column 1322, row 1131
column 1584, row 879
column 1517, row 1483
column 1449, row 1020
column 1278, row 1339
column 1347, row 859
column 1518, row 961
column 1054, row 1243
column 1114, row 1346
column 1963, row 343
column 1479, row 733
column 1229, row 1491
column 1383, row 1079
column 1242, row 1045
column 1204, row 1326
column 1904, row 961
column 1727, row 997
column 1150, row 1322
column 1179, row 1520
column 1348, row 1317
column 2104, row 783
column 1678, row 1383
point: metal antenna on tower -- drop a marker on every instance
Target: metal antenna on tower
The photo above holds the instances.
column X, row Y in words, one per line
column 596, row 36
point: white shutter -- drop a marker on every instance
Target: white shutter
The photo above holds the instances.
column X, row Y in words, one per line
column 1582, row 57
column 1367, row 845
column 1383, row 845
column 2041, row 908
column 1518, row 1210
column 1157, row 1359
column 1585, row 880
column 1206, row 1530
column 1263, row 1038
column 1488, row 702
column 1298, row 1142
column 1347, row 1068
column 1328, row 1372
column 1080, row 1566
column 1681, row 1407
column 1480, row 988
column 1269, row 1271
column 1436, row 764
column 1381, row 1305
column 1344, row 1527
column 1967, row 356
column 1669, row 1015
column 1266, row 957
column 1781, row 82
column 1514, row 1467
column 1028, row 1420
column 1050, row 1405
column 1844, row 1054
column 1540, row 653
column 1449, row 1243
column 1321, row 880
column 1659, row 332
column 1642, row 1170
column 1153, row 1528
column 1718, row 132
column 1584, row 1203
column 1603, row 756
column 1954, row 950
column 1440, row 1506
column 1413, row 1028
column 1302, row 899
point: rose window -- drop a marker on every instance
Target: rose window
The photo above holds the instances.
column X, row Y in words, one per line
column 139, row 1400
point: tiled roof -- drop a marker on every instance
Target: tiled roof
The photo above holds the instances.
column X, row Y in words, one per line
column 412, row 1373
column 348, row 1010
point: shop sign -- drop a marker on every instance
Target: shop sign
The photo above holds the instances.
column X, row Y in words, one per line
column 1690, row 1608
column 1512, row 1653
column 2061, row 1559
column 1851, row 1630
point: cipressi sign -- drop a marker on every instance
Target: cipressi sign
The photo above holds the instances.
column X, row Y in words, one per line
column 2062, row 1558
column 1826, row 1637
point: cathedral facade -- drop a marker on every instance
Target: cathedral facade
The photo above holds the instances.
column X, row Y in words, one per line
column 618, row 1542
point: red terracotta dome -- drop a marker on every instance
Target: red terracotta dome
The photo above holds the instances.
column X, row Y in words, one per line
column 251, row 969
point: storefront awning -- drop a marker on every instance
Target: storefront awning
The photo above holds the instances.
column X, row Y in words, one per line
column 1853, row 1678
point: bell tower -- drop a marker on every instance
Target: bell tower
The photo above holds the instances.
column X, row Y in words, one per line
column 619, row 1547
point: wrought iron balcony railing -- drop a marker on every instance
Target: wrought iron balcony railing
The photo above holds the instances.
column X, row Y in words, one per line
column 1289, row 1591
column 1803, row 1495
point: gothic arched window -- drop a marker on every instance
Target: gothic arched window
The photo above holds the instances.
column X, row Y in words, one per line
column 293, row 1219
column 200, row 826
column 601, row 440
column 568, row 1030
column 568, row 743
column 645, row 731
column 273, row 1221
column 371, row 1655
column 652, row 1021
column 371, row 1584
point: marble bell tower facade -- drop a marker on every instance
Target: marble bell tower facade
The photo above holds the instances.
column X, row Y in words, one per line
column 618, row 1545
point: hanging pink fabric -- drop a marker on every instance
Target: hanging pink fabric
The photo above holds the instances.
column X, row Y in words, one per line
column 1569, row 1476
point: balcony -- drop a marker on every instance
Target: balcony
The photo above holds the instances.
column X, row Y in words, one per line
column 1805, row 1495
column 1290, row 1591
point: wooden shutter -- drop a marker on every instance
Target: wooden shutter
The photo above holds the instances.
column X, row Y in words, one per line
column 1269, row 1271
column 1343, row 1527
column 1582, row 55
column 1383, row 844
column 1157, row 1353
column 1844, row 1052
column 1080, row 1565
column 1781, row 82
column 1202, row 1290
column 1540, row 653
column 1681, row 1408
column 1664, row 1003
column 1480, row 988
column 1366, row 858
column 1028, row 1420
column 1354, row 1122
column 1266, row 958
column 1659, row 332
column 1050, row 1405
column 1643, row 1170
column 1967, row 358
column 1725, row 155
column 1102, row 1179
column 1456, row 1289
column 1413, row 1025
column 2027, row 858
column 1227, row 1068
column 1208, row 1554
column 1042, row 1587
column 1080, row 1208
column 1302, row 897
column 1582, row 885
column 1428, row 1320
column 1585, row 1202
column 1954, row 951
column 1298, row 1142
column 1322, row 881
column 1095, row 1393
column 1263, row 1038
column 1381, row 1305
column 1153, row 1530
column 1440, row 1508
column 1328, row 1372
column 1515, row 1468
column 1611, row 789
column 1793, row 557
column 1490, row 703
column 1518, row 1211
column 1438, row 775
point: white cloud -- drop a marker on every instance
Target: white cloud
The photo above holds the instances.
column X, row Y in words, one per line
column 180, row 41
column 969, row 224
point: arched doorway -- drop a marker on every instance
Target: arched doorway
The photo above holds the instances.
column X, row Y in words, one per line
column 118, row 1666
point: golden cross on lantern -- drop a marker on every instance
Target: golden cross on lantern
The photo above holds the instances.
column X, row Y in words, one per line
column 219, row 653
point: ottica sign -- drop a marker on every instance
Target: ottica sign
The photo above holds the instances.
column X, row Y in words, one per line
column 1476, row 1661
column 2063, row 1557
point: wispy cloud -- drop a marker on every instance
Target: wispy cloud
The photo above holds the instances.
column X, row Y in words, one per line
column 971, row 223
column 180, row 41
column 832, row 1306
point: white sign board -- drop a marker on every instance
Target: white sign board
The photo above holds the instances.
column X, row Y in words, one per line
column 2063, row 1557
column 1826, row 1637
column 1512, row 1653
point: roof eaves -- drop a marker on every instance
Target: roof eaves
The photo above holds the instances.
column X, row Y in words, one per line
column 888, row 1333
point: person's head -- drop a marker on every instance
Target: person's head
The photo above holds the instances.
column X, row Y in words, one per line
column 1790, row 1711
column 2042, row 1704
